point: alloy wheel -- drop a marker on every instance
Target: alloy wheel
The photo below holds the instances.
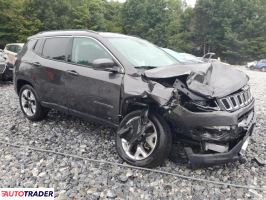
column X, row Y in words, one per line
column 28, row 102
column 145, row 146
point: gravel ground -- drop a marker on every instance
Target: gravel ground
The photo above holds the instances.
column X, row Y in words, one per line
column 79, row 179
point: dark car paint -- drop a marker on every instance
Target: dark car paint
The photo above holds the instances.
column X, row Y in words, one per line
column 59, row 88
column 106, row 96
column 218, row 79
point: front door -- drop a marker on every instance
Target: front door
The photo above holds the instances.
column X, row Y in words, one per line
column 92, row 92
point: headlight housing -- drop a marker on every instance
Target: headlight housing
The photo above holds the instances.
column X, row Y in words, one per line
column 201, row 105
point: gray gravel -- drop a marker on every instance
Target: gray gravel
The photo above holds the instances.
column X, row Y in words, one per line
column 78, row 179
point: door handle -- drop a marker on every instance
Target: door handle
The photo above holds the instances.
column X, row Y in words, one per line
column 73, row 72
column 36, row 64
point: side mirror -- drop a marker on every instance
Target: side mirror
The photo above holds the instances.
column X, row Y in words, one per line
column 105, row 64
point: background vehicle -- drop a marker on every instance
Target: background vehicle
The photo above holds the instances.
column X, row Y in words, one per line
column 136, row 87
column 1, row 53
column 261, row 65
column 11, row 51
column 10, row 54
column 183, row 57
column 2, row 67
column 252, row 64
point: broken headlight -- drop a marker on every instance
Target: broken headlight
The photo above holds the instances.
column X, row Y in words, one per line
column 201, row 105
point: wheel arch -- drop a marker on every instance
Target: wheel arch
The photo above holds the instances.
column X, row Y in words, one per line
column 20, row 83
column 137, row 103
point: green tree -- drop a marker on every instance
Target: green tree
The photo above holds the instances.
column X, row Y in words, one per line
column 15, row 25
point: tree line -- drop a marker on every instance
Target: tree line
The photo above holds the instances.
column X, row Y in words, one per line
column 234, row 29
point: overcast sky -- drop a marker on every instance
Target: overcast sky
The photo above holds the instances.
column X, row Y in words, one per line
column 189, row 2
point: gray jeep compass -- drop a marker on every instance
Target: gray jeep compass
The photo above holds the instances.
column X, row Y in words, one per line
column 146, row 94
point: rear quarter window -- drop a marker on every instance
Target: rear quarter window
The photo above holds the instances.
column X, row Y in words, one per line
column 56, row 48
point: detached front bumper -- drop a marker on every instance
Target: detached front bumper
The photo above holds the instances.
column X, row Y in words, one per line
column 203, row 160
column 234, row 154
column 220, row 129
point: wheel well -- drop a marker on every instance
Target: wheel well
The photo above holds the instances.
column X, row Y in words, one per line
column 21, row 83
column 137, row 104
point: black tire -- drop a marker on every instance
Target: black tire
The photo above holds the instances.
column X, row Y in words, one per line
column 162, row 148
column 40, row 111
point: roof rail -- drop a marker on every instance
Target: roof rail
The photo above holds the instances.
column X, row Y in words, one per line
column 87, row 30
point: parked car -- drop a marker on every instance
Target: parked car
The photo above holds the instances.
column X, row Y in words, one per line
column 11, row 51
column 10, row 54
column 252, row 64
column 261, row 65
column 2, row 67
column 147, row 95
column 183, row 57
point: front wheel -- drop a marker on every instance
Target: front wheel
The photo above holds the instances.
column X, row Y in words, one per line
column 143, row 142
column 30, row 104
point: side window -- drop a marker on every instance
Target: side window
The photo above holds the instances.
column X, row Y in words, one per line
column 37, row 48
column 8, row 47
column 12, row 48
column 31, row 44
column 18, row 49
column 56, row 48
column 86, row 50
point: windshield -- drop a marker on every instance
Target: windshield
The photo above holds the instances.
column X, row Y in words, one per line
column 183, row 57
column 141, row 53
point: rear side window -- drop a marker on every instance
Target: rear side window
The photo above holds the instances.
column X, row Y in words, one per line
column 18, row 49
column 8, row 47
column 15, row 48
column 37, row 48
column 31, row 44
column 56, row 48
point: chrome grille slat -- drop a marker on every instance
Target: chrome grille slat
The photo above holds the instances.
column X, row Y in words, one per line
column 236, row 101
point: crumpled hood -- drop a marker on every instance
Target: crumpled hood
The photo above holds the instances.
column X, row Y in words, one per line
column 211, row 80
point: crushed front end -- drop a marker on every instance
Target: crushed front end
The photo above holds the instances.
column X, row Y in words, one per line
column 215, row 130
column 212, row 111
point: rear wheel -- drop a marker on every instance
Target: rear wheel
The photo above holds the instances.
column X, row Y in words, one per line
column 30, row 104
column 145, row 144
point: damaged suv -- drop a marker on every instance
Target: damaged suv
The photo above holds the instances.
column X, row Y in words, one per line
column 132, row 85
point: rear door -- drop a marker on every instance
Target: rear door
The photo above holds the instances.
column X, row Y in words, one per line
column 92, row 93
column 49, row 62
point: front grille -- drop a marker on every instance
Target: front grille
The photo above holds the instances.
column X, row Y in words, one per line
column 236, row 101
column 2, row 68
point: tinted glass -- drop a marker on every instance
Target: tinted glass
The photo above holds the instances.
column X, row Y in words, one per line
column 11, row 48
column 141, row 52
column 37, row 49
column 31, row 44
column 56, row 48
column 18, row 49
column 8, row 47
column 86, row 50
